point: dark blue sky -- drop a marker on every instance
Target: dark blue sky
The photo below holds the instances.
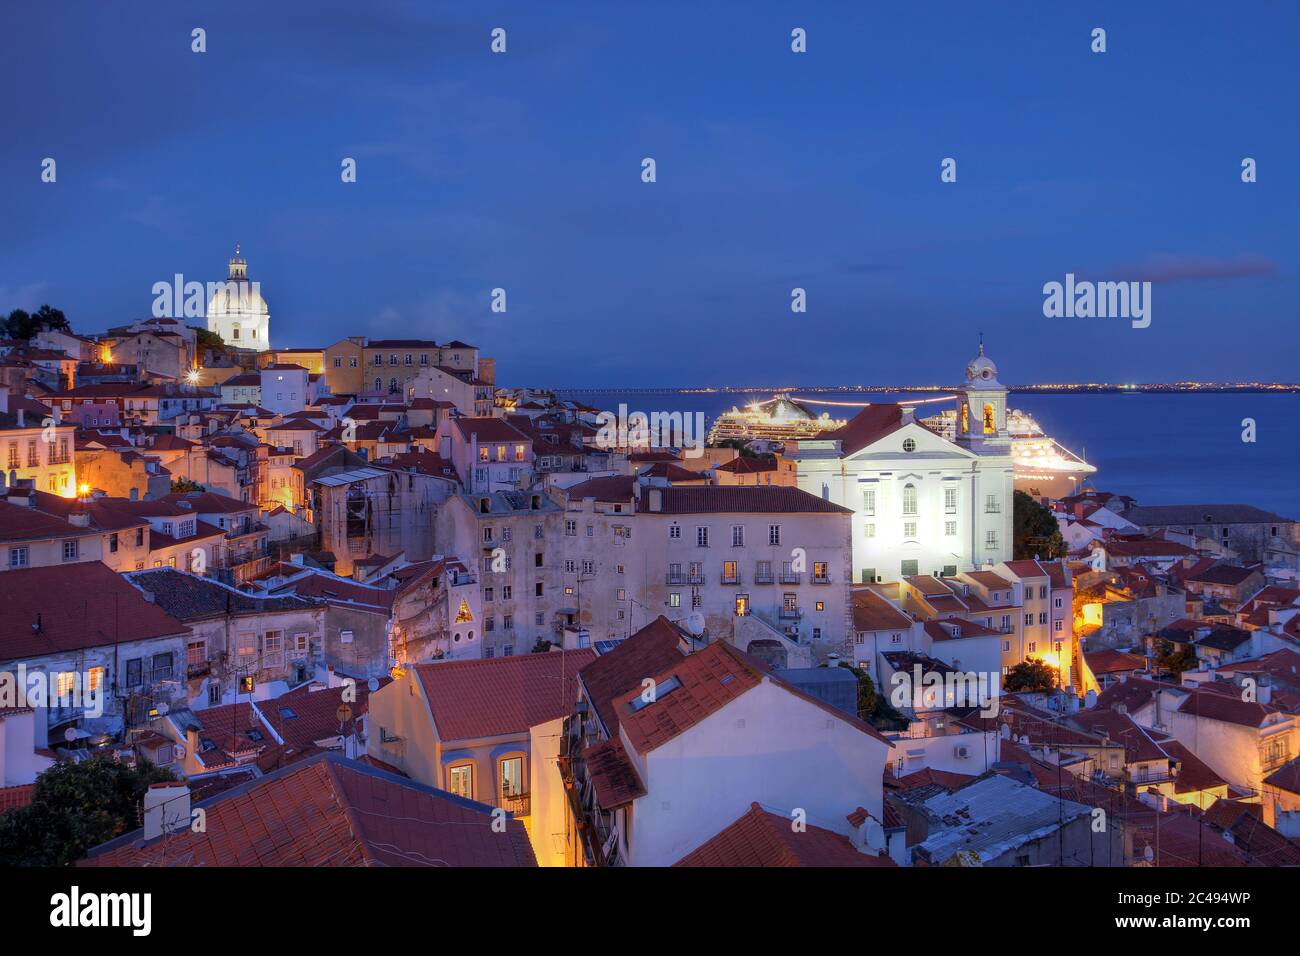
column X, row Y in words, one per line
column 775, row 170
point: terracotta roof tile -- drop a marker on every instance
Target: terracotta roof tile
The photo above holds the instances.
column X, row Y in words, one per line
column 503, row 695
column 762, row 838
column 330, row 811
column 95, row 607
column 650, row 651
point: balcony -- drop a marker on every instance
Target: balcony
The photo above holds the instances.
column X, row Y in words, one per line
column 516, row 803
column 675, row 578
column 695, row 579
column 732, row 578
column 791, row 577
column 763, row 577
column 791, row 614
column 821, row 579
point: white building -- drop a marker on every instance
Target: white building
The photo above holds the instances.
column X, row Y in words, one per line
column 237, row 312
column 285, row 388
column 922, row 504
column 656, row 776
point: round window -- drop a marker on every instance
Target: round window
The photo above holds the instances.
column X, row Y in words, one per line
column 909, row 444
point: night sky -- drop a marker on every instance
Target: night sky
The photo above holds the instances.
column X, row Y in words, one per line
column 775, row 170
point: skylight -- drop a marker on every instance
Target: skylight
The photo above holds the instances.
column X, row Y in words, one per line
column 639, row 702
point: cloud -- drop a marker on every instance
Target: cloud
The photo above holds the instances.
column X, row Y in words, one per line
column 1168, row 268
column 157, row 213
column 26, row 297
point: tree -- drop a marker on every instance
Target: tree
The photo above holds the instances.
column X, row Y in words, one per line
column 542, row 646
column 183, row 486
column 74, row 807
column 209, row 341
column 22, row 325
column 872, row 706
column 1175, row 658
column 1034, row 531
column 1031, row 675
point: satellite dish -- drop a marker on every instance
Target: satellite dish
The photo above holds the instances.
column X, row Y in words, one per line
column 1005, row 732
column 162, row 710
column 695, row 623
column 1149, row 854
column 70, row 734
column 373, row 683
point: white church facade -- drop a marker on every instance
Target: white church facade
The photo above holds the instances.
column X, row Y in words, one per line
column 921, row 504
column 237, row 312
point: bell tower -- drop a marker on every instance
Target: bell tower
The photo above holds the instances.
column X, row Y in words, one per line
column 238, row 267
column 982, row 412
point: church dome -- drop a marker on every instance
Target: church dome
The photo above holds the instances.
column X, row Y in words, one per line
column 981, row 369
column 237, row 296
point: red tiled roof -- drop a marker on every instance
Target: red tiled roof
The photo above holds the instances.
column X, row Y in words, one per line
column 649, row 651
column 737, row 499
column 1026, row 568
column 1286, row 777
column 1132, row 693
column 77, row 606
column 11, row 798
column 503, row 695
column 672, row 472
column 1148, row 548
column 741, row 465
column 1112, row 662
column 610, row 488
column 613, row 776
column 928, row 777
column 762, row 838
column 1229, row 708
column 489, row 430
column 871, row 612
column 329, row 811
column 1121, row 728
column 990, row 579
column 689, row 691
column 1193, row 773
column 869, row 425
column 315, row 712
column 942, row 630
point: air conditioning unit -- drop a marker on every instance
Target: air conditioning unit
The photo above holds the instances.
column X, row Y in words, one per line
column 960, row 751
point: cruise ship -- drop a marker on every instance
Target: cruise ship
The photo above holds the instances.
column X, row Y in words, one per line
column 1044, row 467
column 779, row 419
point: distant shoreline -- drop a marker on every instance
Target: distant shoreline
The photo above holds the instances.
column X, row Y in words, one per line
column 1098, row 389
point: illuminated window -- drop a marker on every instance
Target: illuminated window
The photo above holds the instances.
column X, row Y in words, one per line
column 460, row 781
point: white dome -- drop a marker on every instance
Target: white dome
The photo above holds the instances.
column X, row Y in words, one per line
column 981, row 369
column 237, row 297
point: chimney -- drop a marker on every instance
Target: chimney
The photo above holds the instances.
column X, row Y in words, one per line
column 79, row 519
column 166, row 809
column 22, row 418
column 656, row 499
column 1264, row 691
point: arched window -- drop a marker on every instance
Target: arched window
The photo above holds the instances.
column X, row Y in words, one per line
column 379, row 385
column 990, row 421
column 392, row 385
column 909, row 499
